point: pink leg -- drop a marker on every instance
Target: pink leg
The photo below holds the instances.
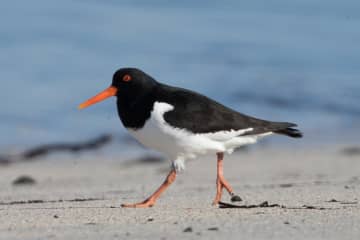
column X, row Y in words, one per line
column 150, row 201
column 221, row 182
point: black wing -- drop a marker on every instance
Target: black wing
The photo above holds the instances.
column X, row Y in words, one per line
column 200, row 114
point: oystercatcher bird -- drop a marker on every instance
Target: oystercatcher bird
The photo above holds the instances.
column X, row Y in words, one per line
column 183, row 124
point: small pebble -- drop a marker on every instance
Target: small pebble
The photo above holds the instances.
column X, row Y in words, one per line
column 286, row 185
column 236, row 198
column 213, row 229
column 264, row 204
column 24, row 180
column 90, row 223
column 188, row 229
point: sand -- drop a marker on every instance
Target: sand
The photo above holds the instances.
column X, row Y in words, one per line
column 80, row 199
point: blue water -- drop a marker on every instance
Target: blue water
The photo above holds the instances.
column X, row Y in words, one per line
column 295, row 61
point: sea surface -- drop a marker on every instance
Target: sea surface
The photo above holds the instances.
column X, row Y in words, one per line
column 296, row 61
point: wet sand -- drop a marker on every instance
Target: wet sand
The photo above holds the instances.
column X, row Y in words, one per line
column 317, row 190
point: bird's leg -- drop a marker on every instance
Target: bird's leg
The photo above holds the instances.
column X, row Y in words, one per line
column 222, row 183
column 150, row 201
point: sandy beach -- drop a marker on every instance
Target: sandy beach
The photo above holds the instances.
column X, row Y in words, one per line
column 317, row 192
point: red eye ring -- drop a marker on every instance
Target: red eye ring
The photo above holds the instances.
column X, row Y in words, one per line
column 127, row 78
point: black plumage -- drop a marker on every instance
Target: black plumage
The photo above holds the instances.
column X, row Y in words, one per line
column 192, row 111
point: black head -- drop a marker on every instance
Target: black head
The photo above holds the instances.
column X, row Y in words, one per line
column 130, row 85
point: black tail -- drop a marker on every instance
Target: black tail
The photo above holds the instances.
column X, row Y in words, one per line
column 291, row 132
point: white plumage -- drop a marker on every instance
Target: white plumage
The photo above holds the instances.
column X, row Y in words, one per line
column 180, row 144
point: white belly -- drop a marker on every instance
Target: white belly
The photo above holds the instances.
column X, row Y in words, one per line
column 154, row 137
column 180, row 143
column 175, row 142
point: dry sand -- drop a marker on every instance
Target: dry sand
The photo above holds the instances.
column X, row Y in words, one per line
column 93, row 190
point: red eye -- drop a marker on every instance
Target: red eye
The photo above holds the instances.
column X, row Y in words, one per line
column 127, row 78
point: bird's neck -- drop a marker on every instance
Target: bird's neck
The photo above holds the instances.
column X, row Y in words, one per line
column 134, row 112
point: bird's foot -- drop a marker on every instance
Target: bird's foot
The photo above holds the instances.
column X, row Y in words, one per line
column 234, row 198
column 216, row 201
column 144, row 204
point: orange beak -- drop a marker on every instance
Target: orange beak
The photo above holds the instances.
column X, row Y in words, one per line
column 109, row 92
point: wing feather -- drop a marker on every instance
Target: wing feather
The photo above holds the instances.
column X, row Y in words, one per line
column 200, row 114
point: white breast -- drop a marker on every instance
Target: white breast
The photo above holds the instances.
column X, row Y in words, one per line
column 180, row 144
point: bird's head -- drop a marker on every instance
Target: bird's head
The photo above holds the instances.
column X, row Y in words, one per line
column 127, row 84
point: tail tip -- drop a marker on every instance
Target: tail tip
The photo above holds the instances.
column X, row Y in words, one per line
column 291, row 132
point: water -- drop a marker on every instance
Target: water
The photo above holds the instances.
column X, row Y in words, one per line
column 296, row 61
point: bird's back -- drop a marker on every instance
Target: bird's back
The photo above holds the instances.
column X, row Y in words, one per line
column 200, row 114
